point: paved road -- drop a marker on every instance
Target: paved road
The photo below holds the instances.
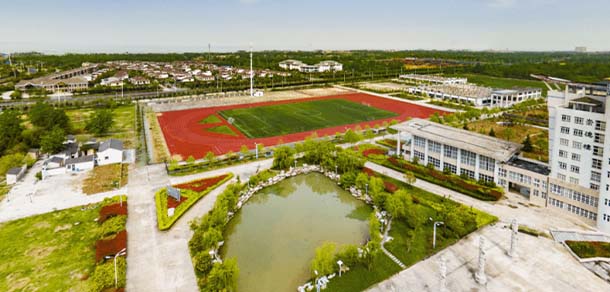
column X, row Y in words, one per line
column 160, row 260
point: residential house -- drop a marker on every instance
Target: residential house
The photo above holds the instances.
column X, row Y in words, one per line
column 110, row 152
column 79, row 164
column 15, row 174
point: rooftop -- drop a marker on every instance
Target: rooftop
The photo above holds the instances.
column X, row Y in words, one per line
column 111, row 144
column 482, row 144
column 14, row 171
column 82, row 159
column 530, row 165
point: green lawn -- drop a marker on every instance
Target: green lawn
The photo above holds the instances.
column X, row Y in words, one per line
column 211, row 119
column 224, row 129
column 498, row 82
column 123, row 128
column 282, row 119
column 49, row 252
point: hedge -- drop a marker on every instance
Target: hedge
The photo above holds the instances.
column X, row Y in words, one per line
column 590, row 249
column 163, row 221
column 449, row 181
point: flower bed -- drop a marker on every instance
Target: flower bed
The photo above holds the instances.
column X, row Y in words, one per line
column 109, row 211
column 370, row 151
column 110, row 247
column 190, row 193
column 589, row 249
column 449, row 181
column 388, row 143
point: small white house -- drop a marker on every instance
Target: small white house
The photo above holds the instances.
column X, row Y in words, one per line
column 110, row 152
column 79, row 164
column 15, row 174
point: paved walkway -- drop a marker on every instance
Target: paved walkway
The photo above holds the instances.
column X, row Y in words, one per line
column 160, row 260
column 385, row 251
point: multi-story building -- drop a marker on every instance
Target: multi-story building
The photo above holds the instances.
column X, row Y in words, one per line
column 324, row 66
column 580, row 162
column 475, row 95
column 65, row 81
column 433, row 79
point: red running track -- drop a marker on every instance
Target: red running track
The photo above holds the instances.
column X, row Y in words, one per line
column 185, row 136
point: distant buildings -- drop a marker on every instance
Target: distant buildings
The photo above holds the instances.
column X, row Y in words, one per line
column 580, row 49
column 324, row 66
column 433, row 79
column 66, row 81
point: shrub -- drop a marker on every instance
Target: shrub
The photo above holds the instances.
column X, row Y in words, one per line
column 112, row 226
column 222, row 277
column 103, row 276
column 324, row 260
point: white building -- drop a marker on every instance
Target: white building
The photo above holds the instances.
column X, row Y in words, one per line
column 79, row 164
column 14, row 174
column 324, row 66
column 580, row 163
column 110, row 151
column 509, row 97
column 477, row 96
column 433, row 79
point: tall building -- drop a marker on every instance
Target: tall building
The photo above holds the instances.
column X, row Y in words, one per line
column 578, row 137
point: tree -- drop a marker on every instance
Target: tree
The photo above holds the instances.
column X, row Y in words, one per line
column 100, row 122
column 492, row 133
column 351, row 136
column 261, row 148
column 10, row 129
column 410, row 177
column 210, row 157
column 324, row 260
column 376, row 190
column 508, row 133
column 362, row 180
column 527, row 144
column 52, row 141
column 46, row 117
column 283, row 157
column 244, row 150
column 223, row 276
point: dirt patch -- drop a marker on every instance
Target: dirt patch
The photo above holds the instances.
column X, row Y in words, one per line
column 42, row 225
column 62, row 228
column 40, row 252
column 17, row 284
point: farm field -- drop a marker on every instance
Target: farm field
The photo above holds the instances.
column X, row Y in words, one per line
column 194, row 132
column 282, row 119
column 122, row 129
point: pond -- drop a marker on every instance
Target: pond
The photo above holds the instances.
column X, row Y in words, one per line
column 275, row 234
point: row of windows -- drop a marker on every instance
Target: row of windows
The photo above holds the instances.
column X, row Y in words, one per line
column 419, row 142
column 606, row 218
column 467, row 172
column 574, row 209
column 599, row 125
column 419, row 155
column 487, row 163
column 468, row 157
column 434, row 146
column 452, row 168
column 574, row 195
column 435, row 162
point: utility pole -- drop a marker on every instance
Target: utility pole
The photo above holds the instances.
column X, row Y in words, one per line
column 251, row 74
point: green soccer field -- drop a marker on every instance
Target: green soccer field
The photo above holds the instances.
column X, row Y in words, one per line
column 282, row 119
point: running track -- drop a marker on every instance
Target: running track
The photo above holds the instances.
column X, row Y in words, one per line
column 185, row 136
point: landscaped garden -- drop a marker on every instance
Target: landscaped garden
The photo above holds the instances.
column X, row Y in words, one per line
column 59, row 251
column 590, row 249
column 408, row 207
column 106, row 178
column 190, row 193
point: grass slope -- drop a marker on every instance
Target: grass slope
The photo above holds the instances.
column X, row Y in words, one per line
column 49, row 252
column 224, row 129
column 211, row 119
column 282, row 119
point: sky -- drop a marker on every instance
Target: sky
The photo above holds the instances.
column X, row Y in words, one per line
column 61, row 26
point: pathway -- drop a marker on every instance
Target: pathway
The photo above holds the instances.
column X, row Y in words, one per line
column 389, row 254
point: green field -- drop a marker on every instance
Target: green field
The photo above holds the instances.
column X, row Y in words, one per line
column 122, row 129
column 223, row 129
column 282, row 119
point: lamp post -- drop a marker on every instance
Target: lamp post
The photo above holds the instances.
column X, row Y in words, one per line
column 256, row 150
column 340, row 263
column 367, row 189
column 317, row 281
column 116, row 274
column 336, row 168
column 295, row 164
column 436, row 223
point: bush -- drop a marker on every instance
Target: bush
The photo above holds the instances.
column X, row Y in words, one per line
column 324, row 260
column 103, row 276
column 112, row 226
column 163, row 221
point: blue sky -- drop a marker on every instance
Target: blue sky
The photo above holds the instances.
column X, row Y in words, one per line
column 187, row 25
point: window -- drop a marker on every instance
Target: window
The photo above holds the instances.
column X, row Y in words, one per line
column 563, row 154
column 589, row 122
column 434, row 147
column 600, row 126
column 487, row 163
column 561, row 176
column 598, row 151
column 565, row 130
column 468, row 158
column 419, row 142
column 575, row 156
column 576, row 145
column 574, row 169
column 564, row 142
column 599, row 138
column 594, row 186
column 578, row 132
column 451, row 152
column 452, row 168
column 565, row 118
column 596, row 163
column 502, row 172
column 579, row 120
column 486, row 178
column 467, row 172
column 596, row 176
column 435, row 162
column 573, row 180
column 419, row 155
column 563, row 165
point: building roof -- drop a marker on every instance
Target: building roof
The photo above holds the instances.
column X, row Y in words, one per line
column 482, row 144
column 111, row 144
column 14, row 171
column 82, row 159
column 530, row 165
column 56, row 159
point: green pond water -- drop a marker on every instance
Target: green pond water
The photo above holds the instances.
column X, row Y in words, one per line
column 275, row 234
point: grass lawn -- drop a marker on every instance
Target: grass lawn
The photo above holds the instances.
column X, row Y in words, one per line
column 517, row 134
column 106, row 178
column 282, row 119
column 590, row 249
column 224, row 129
column 498, row 82
column 211, row 119
column 359, row 277
column 122, row 129
column 49, row 252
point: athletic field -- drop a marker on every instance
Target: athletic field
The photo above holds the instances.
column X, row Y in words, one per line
column 282, row 119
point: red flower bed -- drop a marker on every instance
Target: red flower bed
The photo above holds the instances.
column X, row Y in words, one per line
column 200, row 185
column 368, row 171
column 112, row 210
column 368, row 152
column 172, row 203
column 110, row 247
column 390, row 187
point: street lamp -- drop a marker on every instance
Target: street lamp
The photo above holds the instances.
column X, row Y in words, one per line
column 256, row 150
column 367, row 189
column 317, row 281
column 116, row 276
column 336, row 167
column 295, row 164
column 436, row 223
